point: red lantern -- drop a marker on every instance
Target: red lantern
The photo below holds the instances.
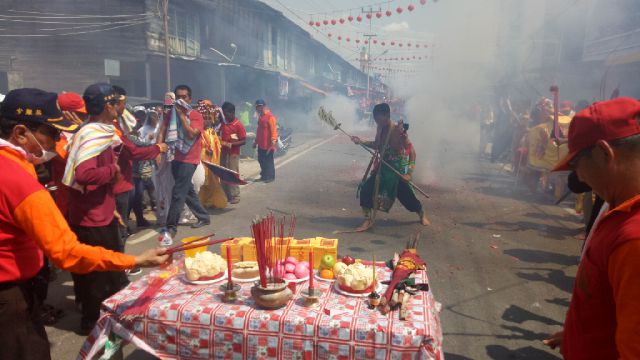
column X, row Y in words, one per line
column 422, row 2
column 425, row 45
column 382, row 43
column 369, row 15
column 359, row 18
column 326, row 22
column 410, row 7
column 414, row 57
column 357, row 41
column 339, row 38
column 399, row 10
column 342, row 21
column 420, row 58
column 318, row 23
column 408, row 44
column 402, row 59
column 329, row 35
column 351, row 18
column 378, row 15
column 393, row 43
column 348, row 39
column 366, row 42
column 400, row 44
column 417, row 46
column 333, row 22
column 389, row 13
column 375, row 41
column 311, row 23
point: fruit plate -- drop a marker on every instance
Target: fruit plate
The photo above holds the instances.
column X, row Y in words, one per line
column 204, row 282
column 317, row 277
column 336, row 287
column 298, row 280
column 248, row 280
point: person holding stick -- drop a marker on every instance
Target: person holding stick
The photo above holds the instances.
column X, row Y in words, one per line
column 383, row 185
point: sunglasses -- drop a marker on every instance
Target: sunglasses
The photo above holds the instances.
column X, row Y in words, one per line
column 582, row 153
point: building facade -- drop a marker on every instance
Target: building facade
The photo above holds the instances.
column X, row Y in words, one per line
column 236, row 50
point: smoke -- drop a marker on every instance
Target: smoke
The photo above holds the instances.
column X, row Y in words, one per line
column 396, row 27
column 344, row 109
column 439, row 97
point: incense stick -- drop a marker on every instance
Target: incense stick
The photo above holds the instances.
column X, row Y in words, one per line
column 199, row 244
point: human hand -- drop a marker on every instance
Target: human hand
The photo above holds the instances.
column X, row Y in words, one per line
column 163, row 147
column 406, row 177
column 117, row 175
column 554, row 341
column 153, row 257
column 73, row 117
column 180, row 110
column 159, row 159
column 116, row 214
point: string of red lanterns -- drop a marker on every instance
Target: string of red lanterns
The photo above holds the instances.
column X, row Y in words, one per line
column 341, row 20
column 398, row 43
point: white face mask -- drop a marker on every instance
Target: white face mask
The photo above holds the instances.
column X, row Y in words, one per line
column 46, row 155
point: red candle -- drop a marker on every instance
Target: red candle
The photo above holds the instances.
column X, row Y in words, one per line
column 311, row 269
column 229, row 263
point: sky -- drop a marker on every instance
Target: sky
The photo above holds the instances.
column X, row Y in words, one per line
column 408, row 27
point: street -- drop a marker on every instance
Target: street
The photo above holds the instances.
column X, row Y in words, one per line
column 500, row 262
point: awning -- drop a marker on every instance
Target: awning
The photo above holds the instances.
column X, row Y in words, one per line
column 312, row 88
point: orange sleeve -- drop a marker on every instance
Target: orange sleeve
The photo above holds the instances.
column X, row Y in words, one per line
column 624, row 273
column 274, row 128
column 39, row 217
column 61, row 148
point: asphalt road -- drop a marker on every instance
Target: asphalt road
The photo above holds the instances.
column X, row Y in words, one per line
column 501, row 263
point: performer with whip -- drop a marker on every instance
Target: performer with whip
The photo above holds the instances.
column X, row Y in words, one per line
column 389, row 173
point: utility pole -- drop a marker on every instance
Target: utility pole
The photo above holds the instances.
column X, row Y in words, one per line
column 369, row 37
column 167, row 58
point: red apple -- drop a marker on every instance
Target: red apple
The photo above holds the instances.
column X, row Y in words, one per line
column 348, row 260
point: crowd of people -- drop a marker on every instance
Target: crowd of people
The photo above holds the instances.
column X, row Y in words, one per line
column 592, row 150
column 74, row 168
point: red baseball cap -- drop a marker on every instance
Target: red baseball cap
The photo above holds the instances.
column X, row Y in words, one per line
column 606, row 120
column 70, row 101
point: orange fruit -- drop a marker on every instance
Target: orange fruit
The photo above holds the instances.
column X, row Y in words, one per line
column 326, row 274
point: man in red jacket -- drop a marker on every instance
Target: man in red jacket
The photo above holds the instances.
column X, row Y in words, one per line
column 233, row 137
column 603, row 321
column 266, row 141
column 128, row 152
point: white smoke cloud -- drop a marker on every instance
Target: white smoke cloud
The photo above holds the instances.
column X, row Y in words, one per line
column 396, row 27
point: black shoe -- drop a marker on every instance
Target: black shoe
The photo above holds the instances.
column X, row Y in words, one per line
column 143, row 223
column 269, row 181
column 200, row 224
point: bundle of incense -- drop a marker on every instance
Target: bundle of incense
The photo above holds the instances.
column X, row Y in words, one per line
column 191, row 242
column 191, row 245
column 270, row 246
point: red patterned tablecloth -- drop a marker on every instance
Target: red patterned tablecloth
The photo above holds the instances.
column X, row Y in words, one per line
column 187, row 321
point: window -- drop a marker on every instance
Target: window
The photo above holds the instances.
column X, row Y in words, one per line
column 184, row 33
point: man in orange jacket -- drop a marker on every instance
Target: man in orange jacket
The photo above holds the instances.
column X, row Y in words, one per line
column 32, row 226
column 266, row 141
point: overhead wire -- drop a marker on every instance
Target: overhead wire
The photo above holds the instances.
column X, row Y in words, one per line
column 3, row 18
column 69, row 16
column 76, row 32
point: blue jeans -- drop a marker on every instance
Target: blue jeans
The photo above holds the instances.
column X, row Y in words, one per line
column 183, row 192
column 267, row 168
